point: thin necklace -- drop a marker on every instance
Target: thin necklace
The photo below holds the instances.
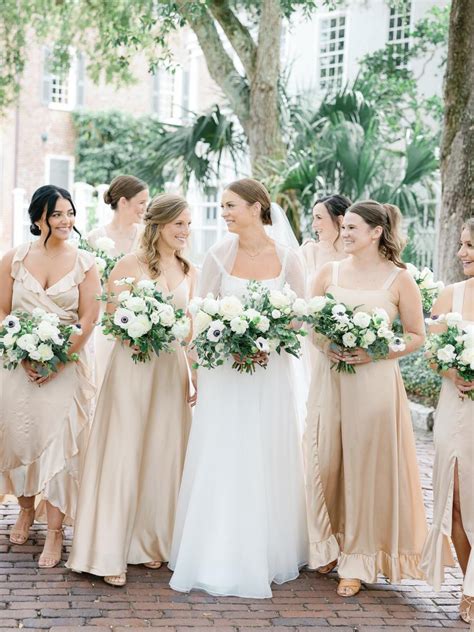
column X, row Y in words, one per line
column 53, row 256
column 257, row 253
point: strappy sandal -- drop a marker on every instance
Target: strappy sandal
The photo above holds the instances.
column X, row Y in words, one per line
column 325, row 570
column 466, row 609
column 116, row 580
column 348, row 587
column 153, row 565
column 51, row 555
column 19, row 534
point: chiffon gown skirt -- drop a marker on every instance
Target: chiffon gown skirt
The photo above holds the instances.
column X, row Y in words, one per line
column 361, row 460
column 134, row 461
column 241, row 518
column 43, row 430
column 454, row 443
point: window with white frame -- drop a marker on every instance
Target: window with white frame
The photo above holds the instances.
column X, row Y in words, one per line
column 399, row 31
column 332, row 34
column 59, row 171
column 163, row 94
column 63, row 91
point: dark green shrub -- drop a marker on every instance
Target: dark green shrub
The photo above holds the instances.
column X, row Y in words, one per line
column 421, row 383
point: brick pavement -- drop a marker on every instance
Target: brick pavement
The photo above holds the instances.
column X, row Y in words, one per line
column 62, row 601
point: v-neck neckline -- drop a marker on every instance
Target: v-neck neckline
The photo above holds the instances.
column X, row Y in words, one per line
column 46, row 289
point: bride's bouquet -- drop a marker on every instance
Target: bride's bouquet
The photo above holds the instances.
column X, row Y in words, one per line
column 452, row 349
column 105, row 262
column 429, row 288
column 144, row 319
column 350, row 328
column 38, row 337
column 246, row 330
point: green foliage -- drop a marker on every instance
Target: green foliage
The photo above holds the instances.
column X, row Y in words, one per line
column 422, row 383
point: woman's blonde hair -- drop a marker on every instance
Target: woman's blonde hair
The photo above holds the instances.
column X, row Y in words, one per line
column 389, row 217
column 162, row 210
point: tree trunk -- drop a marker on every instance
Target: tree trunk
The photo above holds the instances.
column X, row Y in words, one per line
column 457, row 148
column 263, row 128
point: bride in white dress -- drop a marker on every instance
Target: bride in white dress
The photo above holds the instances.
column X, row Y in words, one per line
column 241, row 517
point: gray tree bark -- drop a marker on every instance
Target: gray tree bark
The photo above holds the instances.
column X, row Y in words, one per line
column 457, row 147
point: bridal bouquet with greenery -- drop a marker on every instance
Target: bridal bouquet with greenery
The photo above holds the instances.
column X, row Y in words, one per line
column 144, row 319
column 105, row 262
column 429, row 288
column 247, row 330
column 38, row 337
column 351, row 328
column 453, row 348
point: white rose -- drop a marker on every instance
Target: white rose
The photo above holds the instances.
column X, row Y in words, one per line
column 252, row 314
column 300, row 307
column 167, row 316
column 181, row 328
column 368, row 338
column 210, row 305
column 384, row 332
column 453, row 318
column 12, row 324
column 468, row 336
column 202, row 321
column 263, row 324
column 316, row 304
column 155, row 317
column 147, row 285
column 344, row 323
column 467, row 357
column 361, row 319
column 262, row 345
column 28, row 342
column 135, row 304
column 139, row 326
column 379, row 312
column 349, row 340
column 230, row 307
column 289, row 293
column 123, row 317
column 446, row 353
column 48, row 331
column 9, row 339
column 239, row 325
column 339, row 310
column 195, row 305
column 45, row 352
column 124, row 296
column 279, row 299
column 214, row 333
column 101, row 264
column 276, row 314
column 106, row 244
column 38, row 312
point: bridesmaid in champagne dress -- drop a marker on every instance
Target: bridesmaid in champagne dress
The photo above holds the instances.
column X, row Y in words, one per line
column 453, row 473
column 328, row 213
column 44, row 421
column 135, row 456
column 128, row 198
column 360, row 449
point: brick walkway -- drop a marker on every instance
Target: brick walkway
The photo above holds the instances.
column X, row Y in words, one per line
column 63, row 601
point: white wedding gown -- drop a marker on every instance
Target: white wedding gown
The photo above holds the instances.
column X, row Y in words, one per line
column 241, row 517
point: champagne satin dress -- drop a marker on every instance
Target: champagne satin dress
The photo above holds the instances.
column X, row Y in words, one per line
column 361, row 462
column 43, row 430
column 454, row 443
column 134, row 460
column 102, row 345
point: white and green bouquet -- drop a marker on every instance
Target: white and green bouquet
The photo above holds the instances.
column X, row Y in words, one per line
column 453, row 348
column 38, row 337
column 144, row 319
column 246, row 330
column 351, row 328
column 429, row 288
column 105, row 262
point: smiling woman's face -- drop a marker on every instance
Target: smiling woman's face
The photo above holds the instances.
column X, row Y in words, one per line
column 466, row 252
column 61, row 221
column 237, row 212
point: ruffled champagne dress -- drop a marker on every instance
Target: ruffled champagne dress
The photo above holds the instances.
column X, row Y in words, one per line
column 102, row 345
column 134, row 460
column 43, row 431
column 241, row 518
column 454, row 442
column 361, row 462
